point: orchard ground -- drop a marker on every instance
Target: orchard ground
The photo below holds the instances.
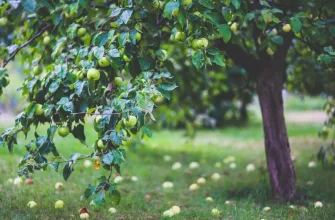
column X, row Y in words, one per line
column 146, row 198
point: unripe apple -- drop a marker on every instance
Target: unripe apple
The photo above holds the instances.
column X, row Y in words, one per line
column 131, row 122
column 180, row 36
column 112, row 210
column 195, row 44
column 32, row 204
column 158, row 4
column 158, row 100
column 175, row 13
column 233, row 27
column 84, row 216
column 3, row 22
column 269, row 51
column 59, row 204
column 104, row 61
column 86, row 39
column 187, row 2
column 202, row 43
column 138, row 36
column 39, row 110
column 18, row 181
column 37, row 70
column 215, row 212
column 63, row 131
column 164, row 57
column 59, row 186
column 101, row 145
column 93, row 74
column 287, row 28
column 81, row 32
column 46, row 40
column 118, row 81
column 126, row 58
column 114, row 24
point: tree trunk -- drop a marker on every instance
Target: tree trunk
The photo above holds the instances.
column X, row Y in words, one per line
column 277, row 147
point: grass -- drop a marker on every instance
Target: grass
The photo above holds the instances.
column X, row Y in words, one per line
column 249, row 191
column 296, row 102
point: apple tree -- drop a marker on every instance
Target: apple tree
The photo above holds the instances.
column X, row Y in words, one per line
column 106, row 59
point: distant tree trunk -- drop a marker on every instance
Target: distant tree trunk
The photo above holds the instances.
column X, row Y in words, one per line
column 244, row 111
column 277, row 147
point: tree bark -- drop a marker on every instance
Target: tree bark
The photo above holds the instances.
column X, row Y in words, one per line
column 280, row 167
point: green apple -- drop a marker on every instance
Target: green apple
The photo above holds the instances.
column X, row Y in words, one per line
column 158, row 4
column 3, row 22
column 126, row 58
column 287, row 28
column 180, row 36
column 158, row 100
column 186, row 2
column 81, row 32
column 101, row 145
column 175, row 13
column 138, row 36
column 39, row 110
column 164, row 56
column 104, row 61
column 93, row 74
column 202, row 43
column 46, row 40
column 114, row 24
column 195, row 44
column 269, row 51
column 63, row 131
column 37, row 70
column 118, row 81
column 131, row 122
column 233, row 27
column 86, row 39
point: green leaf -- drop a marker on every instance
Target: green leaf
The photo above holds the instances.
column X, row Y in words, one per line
column 225, row 32
column 170, row 8
column 78, row 132
column 100, row 39
column 115, row 139
column 115, row 196
column 295, row 24
column 198, row 59
column 74, row 157
column 108, row 158
column 147, row 131
column 99, row 199
column 144, row 63
column 29, row 5
column 277, row 39
column 207, row 3
column 125, row 16
column 89, row 191
column 236, row 3
column 216, row 57
column 54, row 86
column 165, row 93
column 167, row 87
column 227, row 14
column 68, row 169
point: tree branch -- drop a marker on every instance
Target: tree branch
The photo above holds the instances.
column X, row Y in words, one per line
column 25, row 44
column 240, row 57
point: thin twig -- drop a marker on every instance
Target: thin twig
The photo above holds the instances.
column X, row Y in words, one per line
column 25, row 44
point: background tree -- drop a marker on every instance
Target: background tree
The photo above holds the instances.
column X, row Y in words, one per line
column 83, row 58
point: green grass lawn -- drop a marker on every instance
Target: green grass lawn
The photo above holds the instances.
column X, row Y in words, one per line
column 248, row 191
